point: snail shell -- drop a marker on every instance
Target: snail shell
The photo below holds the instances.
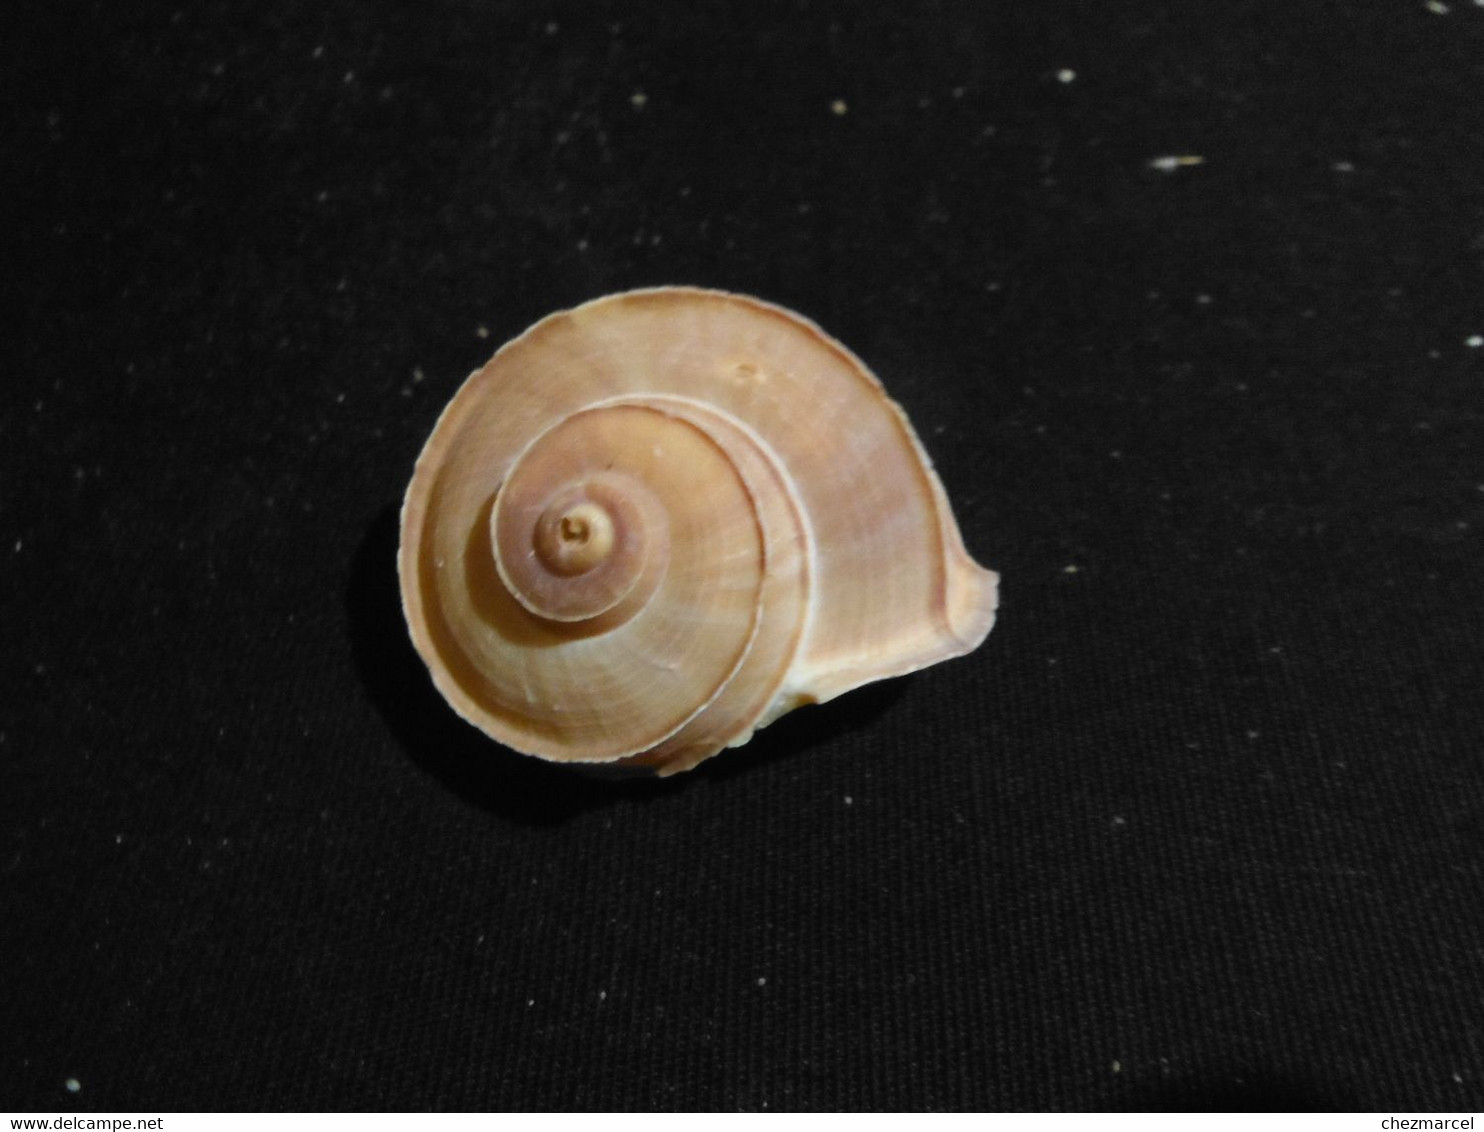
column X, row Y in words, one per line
column 656, row 522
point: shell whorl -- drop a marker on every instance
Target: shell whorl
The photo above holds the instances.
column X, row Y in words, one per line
column 653, row 523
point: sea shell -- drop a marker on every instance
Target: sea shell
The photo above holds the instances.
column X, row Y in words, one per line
column 656, row 522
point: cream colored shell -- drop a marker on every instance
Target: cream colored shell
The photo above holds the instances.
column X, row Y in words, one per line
column 652, row 524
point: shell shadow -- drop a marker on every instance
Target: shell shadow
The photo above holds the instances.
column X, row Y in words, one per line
column 503, row 782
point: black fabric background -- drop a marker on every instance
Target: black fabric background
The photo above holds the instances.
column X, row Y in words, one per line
column 1198, row 826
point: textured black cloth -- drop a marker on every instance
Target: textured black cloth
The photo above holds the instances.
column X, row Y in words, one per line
column 1185, row 302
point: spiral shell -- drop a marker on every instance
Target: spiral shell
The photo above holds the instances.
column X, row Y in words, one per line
column 656, row 522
